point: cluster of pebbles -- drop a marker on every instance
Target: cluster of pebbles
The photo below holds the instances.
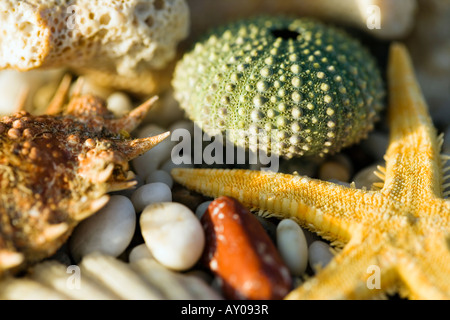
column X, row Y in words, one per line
column 148, row 242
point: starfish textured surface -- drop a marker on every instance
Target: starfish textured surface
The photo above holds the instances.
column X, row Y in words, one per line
column 399, row 233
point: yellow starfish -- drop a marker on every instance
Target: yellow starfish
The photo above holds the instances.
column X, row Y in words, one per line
column 396, row 238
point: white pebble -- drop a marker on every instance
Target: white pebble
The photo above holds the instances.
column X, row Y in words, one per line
column 140, row 252
column 152, row 159
column 173, row 234
column 108, row 231
column 119, row 103
column 201, row 209
column 150, row 193
column 183, row 124
column 160, row 176
column 291, row 243
column 319, row 255
column 166, row 110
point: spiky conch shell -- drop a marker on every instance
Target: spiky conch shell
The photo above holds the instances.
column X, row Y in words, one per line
column 297, row 86
column 56, row 170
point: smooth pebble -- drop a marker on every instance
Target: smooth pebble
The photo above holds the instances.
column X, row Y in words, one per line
column 108, row 231
column 173, row 234
column 169, row 165
column 200, row 211
column 119, row 103
column 291, row 243
column 160, row 176
column 183, row 124
column 140, row 252
column 165, row 111
column 319, row 255
column 150, row 193
column 152, row 159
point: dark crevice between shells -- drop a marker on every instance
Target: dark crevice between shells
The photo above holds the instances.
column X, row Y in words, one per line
column 285, row 34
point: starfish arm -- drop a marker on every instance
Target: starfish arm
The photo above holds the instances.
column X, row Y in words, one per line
column 426, row 276
column 413, row 164
column 439, row 211
column 322, row 206
column 355, row 273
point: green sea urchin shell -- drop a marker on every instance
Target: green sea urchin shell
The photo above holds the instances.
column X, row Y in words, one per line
column 296, row 85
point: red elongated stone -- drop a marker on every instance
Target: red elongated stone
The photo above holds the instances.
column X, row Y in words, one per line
column 241, row 254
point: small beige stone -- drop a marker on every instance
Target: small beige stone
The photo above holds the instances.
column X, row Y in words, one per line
column 109, row 231
column 140, row 252
column 152, row 159
column 160, row 176
column 319, row 254
column 119, row 103
column 150, row 193
column 173, row 234
column 292, row 245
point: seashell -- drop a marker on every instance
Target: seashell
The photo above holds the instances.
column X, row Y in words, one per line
column 384, row 19
column 55, row 171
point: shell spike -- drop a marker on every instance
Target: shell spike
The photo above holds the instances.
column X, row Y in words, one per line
column 10, row 259
column 22, row 99
column 134, row 148
column 122, row 185
column 92, row 208
column 55, row 231
column 380, row 175
column 56, row 105
column 78, row 88
column 131, row 121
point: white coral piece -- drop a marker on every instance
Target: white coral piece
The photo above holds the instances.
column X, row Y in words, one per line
column 117, row 36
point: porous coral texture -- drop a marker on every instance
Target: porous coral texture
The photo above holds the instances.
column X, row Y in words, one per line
column 119, row 37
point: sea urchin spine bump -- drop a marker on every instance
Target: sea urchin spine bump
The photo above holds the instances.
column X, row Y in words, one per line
column 309, row 87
